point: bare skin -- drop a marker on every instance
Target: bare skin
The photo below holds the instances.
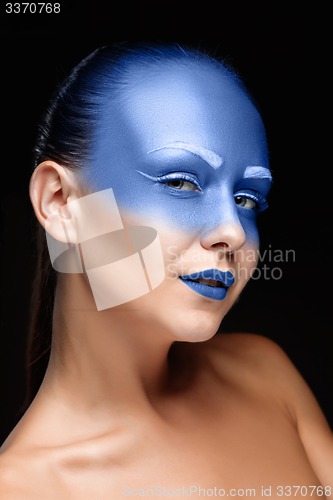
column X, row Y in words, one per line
column 231, row 412
column 124, row 408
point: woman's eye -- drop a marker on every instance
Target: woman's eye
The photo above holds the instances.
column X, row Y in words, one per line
column 176, row 180
column 182, row 185
column 245, row 202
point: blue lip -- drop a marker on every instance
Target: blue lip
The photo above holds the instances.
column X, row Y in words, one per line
column 216, row 293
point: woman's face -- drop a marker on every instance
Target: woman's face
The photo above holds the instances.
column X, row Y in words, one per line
column 184, row 152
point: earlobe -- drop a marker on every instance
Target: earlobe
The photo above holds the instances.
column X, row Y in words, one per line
column 51, row 188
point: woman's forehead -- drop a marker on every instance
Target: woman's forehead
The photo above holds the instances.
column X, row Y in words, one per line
column 181, row 78
column 196, row 104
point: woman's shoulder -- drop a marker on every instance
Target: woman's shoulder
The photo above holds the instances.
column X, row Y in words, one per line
column 12, row 486
column 255, row 362
column 25, row 474
column 252, row 351
column 23, row 469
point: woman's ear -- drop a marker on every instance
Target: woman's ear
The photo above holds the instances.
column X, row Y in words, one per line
column 51, row 188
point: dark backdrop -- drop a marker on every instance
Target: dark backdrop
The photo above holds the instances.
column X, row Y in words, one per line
column 273, row 52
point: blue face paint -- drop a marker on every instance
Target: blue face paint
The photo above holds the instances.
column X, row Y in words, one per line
column 187, row 145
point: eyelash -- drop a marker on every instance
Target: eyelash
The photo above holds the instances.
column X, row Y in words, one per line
column 174, row 176
column 179, row 177
column 259, row 199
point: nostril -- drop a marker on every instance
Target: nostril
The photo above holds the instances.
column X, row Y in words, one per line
column 221, row 244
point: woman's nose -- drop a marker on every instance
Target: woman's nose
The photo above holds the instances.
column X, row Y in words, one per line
column 228, row 236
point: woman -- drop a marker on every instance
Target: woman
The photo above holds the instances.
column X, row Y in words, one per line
column 151, row 168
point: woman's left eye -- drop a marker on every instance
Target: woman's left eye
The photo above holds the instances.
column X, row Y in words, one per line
column 251, row 200
column 182, row 184
column 245, row 202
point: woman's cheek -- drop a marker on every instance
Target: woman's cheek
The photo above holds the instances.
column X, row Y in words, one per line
column 184, row 218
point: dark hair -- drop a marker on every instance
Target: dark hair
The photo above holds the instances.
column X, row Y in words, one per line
column 65, row 135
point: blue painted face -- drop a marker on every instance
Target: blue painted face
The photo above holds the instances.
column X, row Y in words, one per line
column 185, row 144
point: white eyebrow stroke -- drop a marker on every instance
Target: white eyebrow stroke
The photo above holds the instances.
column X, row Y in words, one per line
column 257, row 172
column 213, row 159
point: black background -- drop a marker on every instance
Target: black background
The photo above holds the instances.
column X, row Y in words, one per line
column 273, row 51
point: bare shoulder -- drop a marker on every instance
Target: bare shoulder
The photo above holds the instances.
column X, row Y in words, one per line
column 263, row 360
column 254, row 353
column 22, row 476
column 11, row 487
column 244, row 344
column 256, row 361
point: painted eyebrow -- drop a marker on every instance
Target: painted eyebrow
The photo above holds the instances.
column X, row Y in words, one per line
column 257, row 172
column 213, row 159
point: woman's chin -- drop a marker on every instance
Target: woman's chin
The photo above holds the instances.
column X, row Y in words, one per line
column 177, row 316
column 195, row 326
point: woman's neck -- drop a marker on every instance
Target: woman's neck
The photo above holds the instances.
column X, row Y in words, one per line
column 107, row 369
column 112, row 358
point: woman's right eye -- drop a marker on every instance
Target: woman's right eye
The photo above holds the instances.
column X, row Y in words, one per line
column 180, row 181
column 182, row 184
